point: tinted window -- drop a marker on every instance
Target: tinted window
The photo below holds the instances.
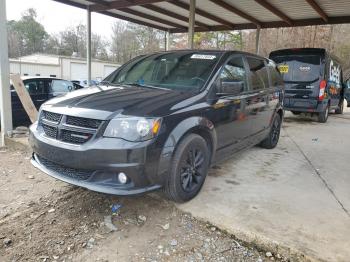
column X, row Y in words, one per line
column 299, row 68
column 186, row 71
column 61, row 86
column 35, row 87
column 258, row 73
column 234, row 72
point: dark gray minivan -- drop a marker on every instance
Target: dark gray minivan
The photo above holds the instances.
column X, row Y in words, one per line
column 313, row 81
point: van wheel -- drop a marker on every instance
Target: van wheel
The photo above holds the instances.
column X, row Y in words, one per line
column 188, row 170
column 340, row 108
column 323, row 116
column 296, row 112
column 271, row 140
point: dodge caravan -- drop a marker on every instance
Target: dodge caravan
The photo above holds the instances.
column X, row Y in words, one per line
column 160, row 121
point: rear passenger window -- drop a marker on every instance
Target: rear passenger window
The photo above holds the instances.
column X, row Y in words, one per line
column 258, row 73
column 234, row 72
column 35, row 87
column 61, row 86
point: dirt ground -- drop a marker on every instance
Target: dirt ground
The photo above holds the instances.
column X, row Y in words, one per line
column 42, row 219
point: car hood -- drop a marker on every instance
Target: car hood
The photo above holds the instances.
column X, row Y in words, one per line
column 134, row 101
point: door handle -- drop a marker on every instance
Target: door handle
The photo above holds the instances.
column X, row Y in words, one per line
column 41, row 100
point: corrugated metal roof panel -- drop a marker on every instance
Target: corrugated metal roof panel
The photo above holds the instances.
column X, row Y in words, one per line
column 184, row 12
column 223, row 13
column 335, row 7
column 139, row 18
column 296, row 9
column 254, row 9
column 158, row 15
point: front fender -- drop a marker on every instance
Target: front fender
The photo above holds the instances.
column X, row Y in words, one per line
column 189, row 125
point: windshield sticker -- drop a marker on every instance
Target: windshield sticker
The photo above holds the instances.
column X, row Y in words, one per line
column 304, row 68
column 206, row 57
column 283, row 69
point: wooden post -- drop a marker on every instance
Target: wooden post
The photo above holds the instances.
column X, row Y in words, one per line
column 25, row 98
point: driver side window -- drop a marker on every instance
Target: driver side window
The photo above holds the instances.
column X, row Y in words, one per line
column 234, row 75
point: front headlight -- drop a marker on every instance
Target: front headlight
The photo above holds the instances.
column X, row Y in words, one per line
column 133, row 128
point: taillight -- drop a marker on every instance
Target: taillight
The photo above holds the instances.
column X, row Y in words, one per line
column 323, row 85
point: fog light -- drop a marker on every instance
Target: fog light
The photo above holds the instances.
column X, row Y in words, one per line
column 122, row 178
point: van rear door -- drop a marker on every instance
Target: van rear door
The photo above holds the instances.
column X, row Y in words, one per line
column 302, row 74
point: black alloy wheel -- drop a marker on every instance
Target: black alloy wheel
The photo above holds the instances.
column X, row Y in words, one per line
column 188, row 170
column 191, row 173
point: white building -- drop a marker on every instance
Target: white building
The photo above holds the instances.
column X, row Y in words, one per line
column 70, row 68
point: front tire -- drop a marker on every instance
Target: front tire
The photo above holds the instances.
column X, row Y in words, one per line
column 188, row 170
column 271, row 140
column 323, row 116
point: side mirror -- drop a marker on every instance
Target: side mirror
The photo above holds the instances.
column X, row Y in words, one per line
column 225, row 87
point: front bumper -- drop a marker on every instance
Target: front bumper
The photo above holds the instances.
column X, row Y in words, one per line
column 96, row 164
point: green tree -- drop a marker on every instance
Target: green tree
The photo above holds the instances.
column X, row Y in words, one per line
column 29, row 33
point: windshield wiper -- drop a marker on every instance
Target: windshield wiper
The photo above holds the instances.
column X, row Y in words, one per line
column 146, row 86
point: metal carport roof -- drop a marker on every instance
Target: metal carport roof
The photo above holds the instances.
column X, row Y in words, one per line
column 218, row 15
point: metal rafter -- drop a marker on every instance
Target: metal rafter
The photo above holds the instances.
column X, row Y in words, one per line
column 133, row 20
column 318, row 9
column 236, row 11
column 275, row 24
column 103, row 5
column 151, row 17
column 205, row 14
column 275, row 11
column 122, row 17
column 172, row 14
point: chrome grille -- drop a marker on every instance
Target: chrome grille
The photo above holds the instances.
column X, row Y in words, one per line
column 53, row 117
column 75, row 137
column 50, row 131
column 69, row 129
column 65, row 171
column 83, row 122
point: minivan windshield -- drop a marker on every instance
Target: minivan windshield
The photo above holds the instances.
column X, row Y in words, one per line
column 299, row 68
column 183, row 71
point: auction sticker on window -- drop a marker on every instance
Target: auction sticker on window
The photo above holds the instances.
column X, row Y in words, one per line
column 206, row 57
column 283, row 69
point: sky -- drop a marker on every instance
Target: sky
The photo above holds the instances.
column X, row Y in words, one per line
column 55, row 17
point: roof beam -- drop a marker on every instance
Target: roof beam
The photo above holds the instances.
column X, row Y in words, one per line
column 118, row 4
column 151, row 17
column 172, row 14
column 318, row 9
column 236, row 11
column 275, row 11
column 205, row 14
column 133, row 20
column 274, row 24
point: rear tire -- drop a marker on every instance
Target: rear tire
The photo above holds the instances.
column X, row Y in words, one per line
column 296, row 113
column 323, row 116
column 340, row 108
column 188, row 170
column 271, row 140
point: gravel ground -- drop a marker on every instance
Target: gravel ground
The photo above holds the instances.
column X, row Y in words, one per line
column 42, row 219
